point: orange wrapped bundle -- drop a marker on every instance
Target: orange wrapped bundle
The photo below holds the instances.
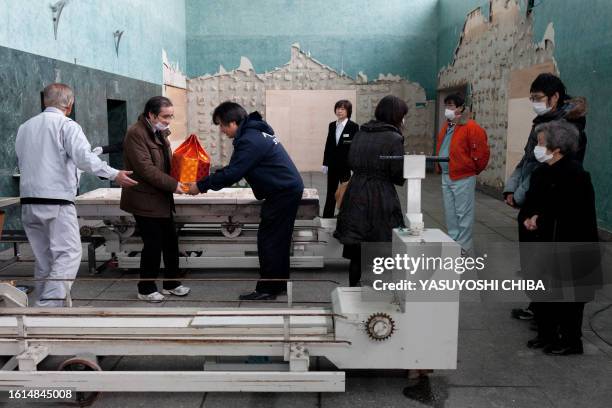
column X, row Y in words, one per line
column 190, row 162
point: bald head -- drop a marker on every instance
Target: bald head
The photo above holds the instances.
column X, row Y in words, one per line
column 58, row 96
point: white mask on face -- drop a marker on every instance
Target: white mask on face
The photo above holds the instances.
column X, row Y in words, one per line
column 449, row 114
column 540, row 108
column 540, row 154
column 160, row 126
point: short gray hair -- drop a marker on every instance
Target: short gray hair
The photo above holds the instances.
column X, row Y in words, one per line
column 58, row 96
column 559, row 134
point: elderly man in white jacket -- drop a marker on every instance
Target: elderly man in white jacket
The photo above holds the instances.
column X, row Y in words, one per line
column 52, row 149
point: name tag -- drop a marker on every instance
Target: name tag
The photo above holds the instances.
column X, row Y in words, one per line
column 346, row 135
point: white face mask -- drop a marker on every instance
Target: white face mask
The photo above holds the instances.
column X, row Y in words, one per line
column 540, row 154
column 449, row 114
column 160, row 126
column 540, row 108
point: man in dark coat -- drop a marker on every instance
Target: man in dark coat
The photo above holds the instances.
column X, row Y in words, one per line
column 559, row 212
column 260, row 158
column 335, row 158
column 550, row 102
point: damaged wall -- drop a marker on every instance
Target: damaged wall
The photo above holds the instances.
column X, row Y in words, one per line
column 582, row 52
column 243, row 85
column 397, row 36
column 490, row 49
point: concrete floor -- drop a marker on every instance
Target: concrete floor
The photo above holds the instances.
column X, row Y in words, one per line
column 494, row 369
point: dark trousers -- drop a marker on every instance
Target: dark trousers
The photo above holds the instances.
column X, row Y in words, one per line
column 274, row 239
column 158, row 236
column 559, row 322
column 334, row 177
column 353, row 252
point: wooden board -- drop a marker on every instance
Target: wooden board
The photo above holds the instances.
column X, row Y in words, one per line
column 520, row 112
column 521, row 79
column 300, row 120
column 175, row 381
column 214, row 206
column 178, row 127
column 236, row 196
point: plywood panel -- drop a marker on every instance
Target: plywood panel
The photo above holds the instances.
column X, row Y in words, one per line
column 521, row 79
column 520, row 117
column 300, row 120
column 178, row 96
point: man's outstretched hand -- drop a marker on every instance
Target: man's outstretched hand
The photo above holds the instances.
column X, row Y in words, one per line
column 124, row 180
column 180, row 188
column 193, row 188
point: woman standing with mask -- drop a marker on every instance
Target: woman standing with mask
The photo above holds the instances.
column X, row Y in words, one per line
column 559, row 213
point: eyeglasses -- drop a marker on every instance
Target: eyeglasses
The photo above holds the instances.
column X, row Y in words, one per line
column 537, row 98
column 166, row 117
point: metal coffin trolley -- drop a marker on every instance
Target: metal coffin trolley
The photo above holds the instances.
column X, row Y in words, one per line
column 216, row 230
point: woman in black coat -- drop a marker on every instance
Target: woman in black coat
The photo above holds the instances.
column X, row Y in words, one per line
column 371, row 208
column 559, row 208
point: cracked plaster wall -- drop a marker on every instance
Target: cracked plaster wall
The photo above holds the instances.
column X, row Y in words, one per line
column 243, row 85
column 489, row 50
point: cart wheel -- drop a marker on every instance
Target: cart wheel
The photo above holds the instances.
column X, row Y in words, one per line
column 125, row 231
column 231, row 230
column 82, row 363
column 86, row 231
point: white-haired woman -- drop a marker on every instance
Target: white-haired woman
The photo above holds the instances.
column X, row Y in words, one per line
column 559, row 210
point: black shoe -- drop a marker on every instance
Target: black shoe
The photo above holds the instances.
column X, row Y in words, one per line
column 255, row 295
column 538, row 342
column 563, row 349
column 522, row 314
column 420, row 390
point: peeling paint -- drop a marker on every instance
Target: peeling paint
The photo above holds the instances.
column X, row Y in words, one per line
column 486, row 54
column 243, row 85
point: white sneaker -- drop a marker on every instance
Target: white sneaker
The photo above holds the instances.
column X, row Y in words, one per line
column 154, row 297
column 180, row 290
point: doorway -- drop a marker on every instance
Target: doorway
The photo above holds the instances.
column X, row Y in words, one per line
column 116, row 113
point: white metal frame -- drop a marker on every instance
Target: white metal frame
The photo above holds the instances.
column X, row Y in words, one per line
column 424, row 337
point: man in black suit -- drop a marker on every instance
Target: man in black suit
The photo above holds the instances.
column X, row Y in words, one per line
column 335, row 158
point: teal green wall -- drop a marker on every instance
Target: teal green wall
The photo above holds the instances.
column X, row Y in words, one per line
column 86, row 29
column 451, row 16
column 393, row 36
column 584, row 55
column 20, row 100
column 583, row 51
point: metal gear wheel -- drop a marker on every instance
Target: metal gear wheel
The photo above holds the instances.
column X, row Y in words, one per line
column 380, row 326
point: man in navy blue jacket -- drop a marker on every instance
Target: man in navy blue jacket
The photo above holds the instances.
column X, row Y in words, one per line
column 263, row 162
